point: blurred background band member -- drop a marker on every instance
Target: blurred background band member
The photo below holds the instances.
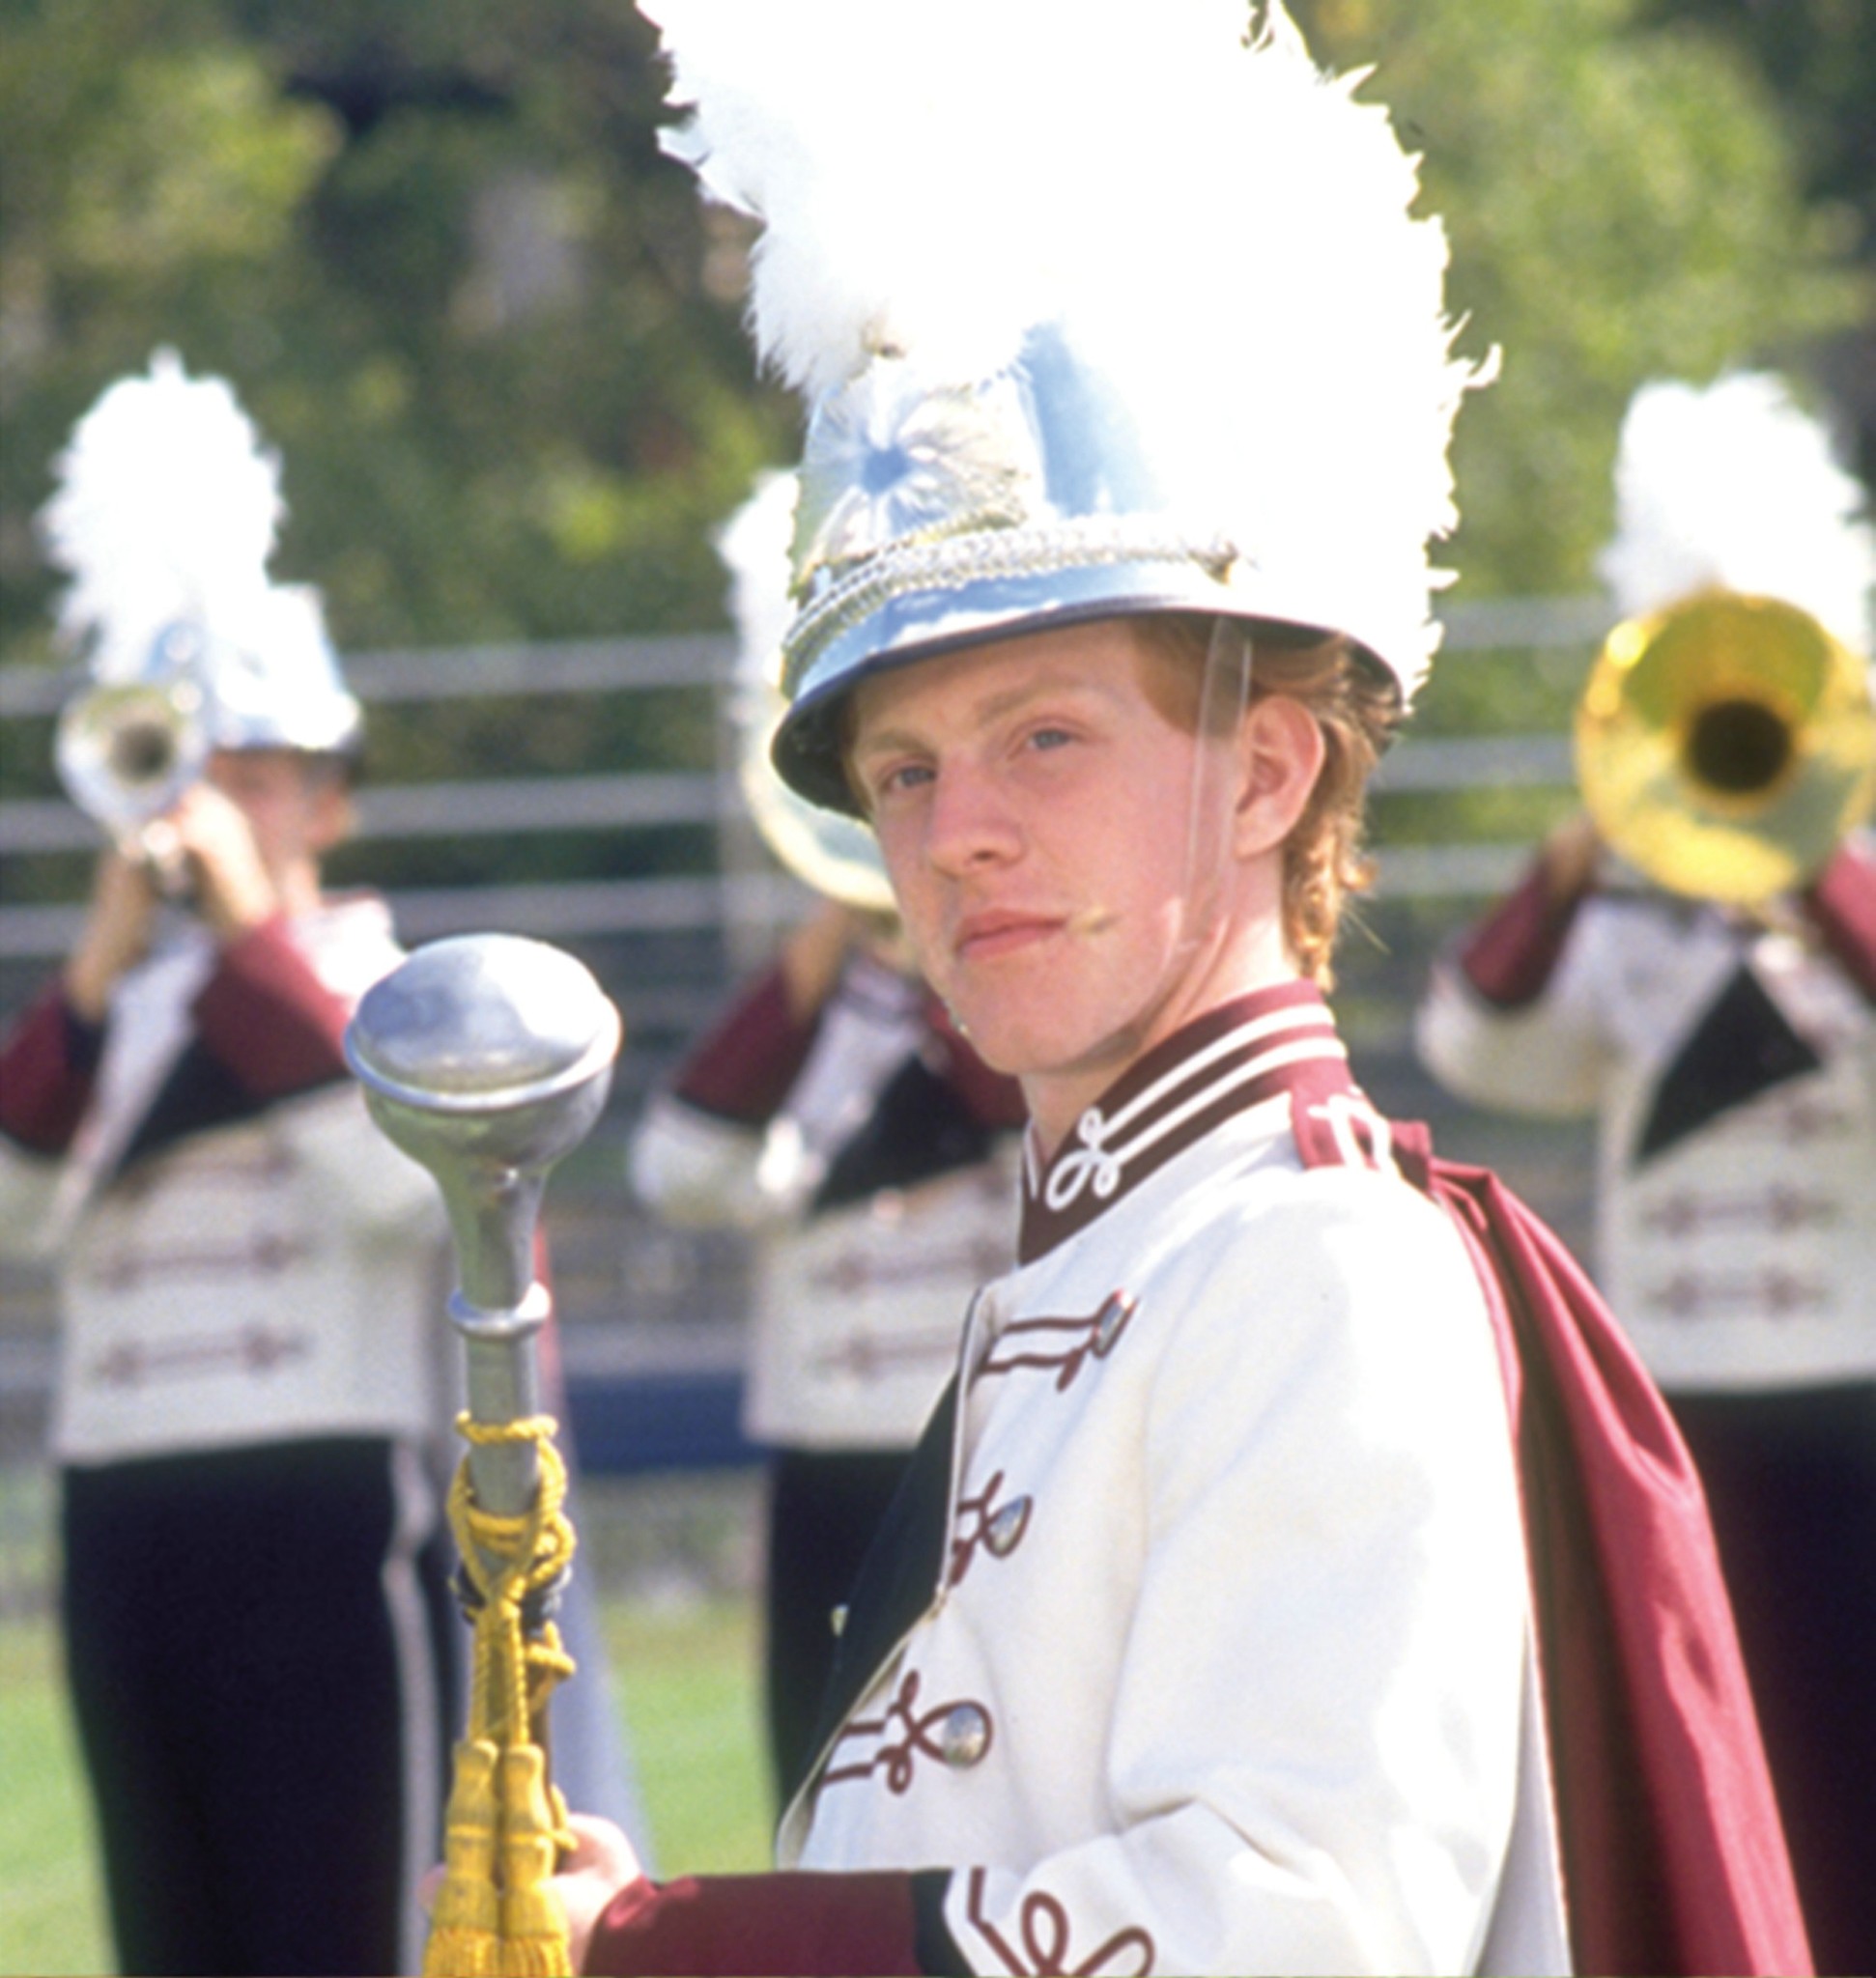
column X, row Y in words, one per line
column 1691, row 961
column 249, row 1400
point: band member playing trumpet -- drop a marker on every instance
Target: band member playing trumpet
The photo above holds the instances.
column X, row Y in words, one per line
column 1693, row 962
column 248, row 1410
column 1229, row 1620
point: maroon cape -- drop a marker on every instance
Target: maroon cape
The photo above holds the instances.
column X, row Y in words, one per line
column 1674, row 1856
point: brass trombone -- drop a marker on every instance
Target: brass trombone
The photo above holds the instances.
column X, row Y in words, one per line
column 1725, row 745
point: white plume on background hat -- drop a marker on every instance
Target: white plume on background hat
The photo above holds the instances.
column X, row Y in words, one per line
column 836, row 854
column 1095, row 310
column 165, row 514
column 1735, row 487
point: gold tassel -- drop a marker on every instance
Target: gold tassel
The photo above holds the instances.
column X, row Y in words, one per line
column 534, row 1927
column 494, row 1915
column 466, row 1926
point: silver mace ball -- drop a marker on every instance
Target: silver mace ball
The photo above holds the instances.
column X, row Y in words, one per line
column 487, row 1058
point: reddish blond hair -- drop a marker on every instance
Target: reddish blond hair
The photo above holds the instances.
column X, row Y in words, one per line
column 1357, row 707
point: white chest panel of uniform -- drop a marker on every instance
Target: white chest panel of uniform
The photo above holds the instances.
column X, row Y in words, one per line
column 857, row 1311
column 1741, row 1254
column 279, row 1276
column 1744, row 1256
column 1231, row 1669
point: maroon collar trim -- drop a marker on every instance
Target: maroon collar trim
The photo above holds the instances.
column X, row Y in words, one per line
column 1260, row 1045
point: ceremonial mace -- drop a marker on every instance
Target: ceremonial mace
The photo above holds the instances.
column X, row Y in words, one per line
column 487, row 1058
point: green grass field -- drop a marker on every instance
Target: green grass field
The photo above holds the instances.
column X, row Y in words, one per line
column 687, row 1673
column 50, row 1915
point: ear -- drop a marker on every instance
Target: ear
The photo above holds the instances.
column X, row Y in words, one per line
column 1282, row 750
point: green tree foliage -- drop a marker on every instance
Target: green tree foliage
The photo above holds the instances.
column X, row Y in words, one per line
column 1819, row 58
column 438, row 255
column 495, row 337
column 1623, row 204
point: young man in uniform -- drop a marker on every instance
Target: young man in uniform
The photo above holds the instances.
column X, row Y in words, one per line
column 1206, row 1634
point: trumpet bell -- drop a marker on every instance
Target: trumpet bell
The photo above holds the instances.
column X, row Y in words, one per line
column 126, row 751
column 1725, row 745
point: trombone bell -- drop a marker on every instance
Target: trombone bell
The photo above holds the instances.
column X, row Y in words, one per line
column 1726, row 744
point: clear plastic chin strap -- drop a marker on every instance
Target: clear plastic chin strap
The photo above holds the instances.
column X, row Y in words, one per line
column 1223, row 696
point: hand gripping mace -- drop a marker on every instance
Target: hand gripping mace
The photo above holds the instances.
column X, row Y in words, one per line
column 486, row 1059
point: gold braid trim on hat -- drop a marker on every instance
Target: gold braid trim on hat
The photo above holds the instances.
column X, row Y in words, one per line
column 948, row 563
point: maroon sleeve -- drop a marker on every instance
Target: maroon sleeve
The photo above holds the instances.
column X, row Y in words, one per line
column 762, row 1926
column 1512, row 953
column 47, row 1066
column 992, row 1098
column 746, row 1063
column 267, row 1017
column 1842, row 905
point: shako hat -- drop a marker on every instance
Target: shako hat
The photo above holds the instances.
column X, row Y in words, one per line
column 1734, row 486
column 164, row 517
column 1094, row 310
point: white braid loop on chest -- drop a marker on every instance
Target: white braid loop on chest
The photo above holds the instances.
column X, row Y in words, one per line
column 1102, row 1147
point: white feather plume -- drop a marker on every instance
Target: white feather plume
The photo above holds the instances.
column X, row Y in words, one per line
column 836, row 854
column 1226, row 230
column 167, row 509
column 753, row 548
column 1736, row 487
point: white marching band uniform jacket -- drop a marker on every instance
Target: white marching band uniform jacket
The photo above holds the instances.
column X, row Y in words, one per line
column 275, row 1276
column 1732, row 1072
column 1227, row 1661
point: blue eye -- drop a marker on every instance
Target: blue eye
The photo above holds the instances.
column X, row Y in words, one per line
column 1049, row 738
column 905, row 776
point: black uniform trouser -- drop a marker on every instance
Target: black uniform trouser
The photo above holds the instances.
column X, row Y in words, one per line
column 1791, row 1481
column 248, row 1635
column 823, row 1510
